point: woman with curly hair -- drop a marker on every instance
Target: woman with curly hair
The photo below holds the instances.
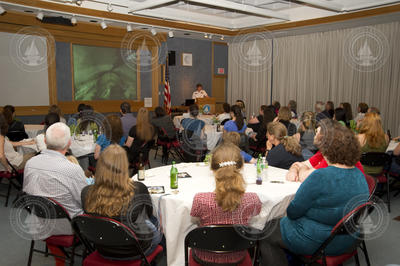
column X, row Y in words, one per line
column 115, row 195
column 320, row 202
column 282, row 150
column 372, row 138
column 228, row 204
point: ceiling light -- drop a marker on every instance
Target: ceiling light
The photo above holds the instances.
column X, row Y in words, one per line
column 78, row 2
column 210, row 36
column 153, row 31
column 103, row 25
column 129, row 28
column 73, row 20
column 40, row 15
column 171, row 34
column 205, row 35
column 2, row 10
column 109, row 7
column 222, row 37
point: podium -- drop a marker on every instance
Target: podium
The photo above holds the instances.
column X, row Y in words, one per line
column 207, row 105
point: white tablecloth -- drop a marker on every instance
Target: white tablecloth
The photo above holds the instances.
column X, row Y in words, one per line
column 208, row 119
column 213, row 136
column 392, row 145
column 82, row 145
column 175, row 208
column 33, row 130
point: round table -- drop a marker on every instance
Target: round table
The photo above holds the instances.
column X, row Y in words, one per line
column 174, row 209
column 33, row 130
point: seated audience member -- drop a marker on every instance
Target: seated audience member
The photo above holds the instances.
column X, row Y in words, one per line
column 226, row 115
column 115, row 195
column 329, row 110
column 234, row 138
column 228, row 204
column 319, row 115
column 49, row 119
column 395, row 165
column 277, row 106
column 284, row 116
column 140, row 137
column 50, row 174
column 293, row 108
column 301, row 170
column 259, row 139
column 362, row 110
column 372, row 138
column 73, row 119
column 240, row 103
column 86, row 123
column 16, row 129
column 237, row 123
column 350, row 123
column 256, row 120
column 306, row 134
column 7, row 151
column 193, row 125
column 374, row 110
column 282, row 150
column 340, row 116
column 57, row 110
column 164, row 121
column 320, row 203
column 128, row 120
column 112, row 135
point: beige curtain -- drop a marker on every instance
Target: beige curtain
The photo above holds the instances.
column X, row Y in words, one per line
column 313, row 67
column 249, row 74
column 317, row 67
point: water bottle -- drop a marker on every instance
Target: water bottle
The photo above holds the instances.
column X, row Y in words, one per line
column 174, row 176
column 259, row 171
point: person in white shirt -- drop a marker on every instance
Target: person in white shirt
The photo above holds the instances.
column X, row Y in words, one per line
column 199, row 92
column 50, row 118
column 226, row 114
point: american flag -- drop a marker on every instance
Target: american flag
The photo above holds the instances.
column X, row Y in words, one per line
column 167, row 91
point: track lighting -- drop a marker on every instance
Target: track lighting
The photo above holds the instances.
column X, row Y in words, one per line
column 103, row 25
column 129, row 28
column 40, row 15
column 2, row 10
column 171, row 34
column 222, row 37
column 73, row 20
column 153, row 31
column 205, row 35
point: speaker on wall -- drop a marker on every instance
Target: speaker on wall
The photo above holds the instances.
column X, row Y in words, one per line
column 171, row 58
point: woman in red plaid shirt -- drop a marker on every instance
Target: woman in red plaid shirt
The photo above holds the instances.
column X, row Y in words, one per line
column 229, row 204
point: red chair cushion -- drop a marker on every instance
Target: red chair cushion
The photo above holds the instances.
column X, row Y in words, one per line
column 8, row 175
column 61, row 240
column 95, row 259
column 382, row 179
column 336, row 260
column 246, row 261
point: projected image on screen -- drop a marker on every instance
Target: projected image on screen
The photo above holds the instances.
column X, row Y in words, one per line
column 101, row 74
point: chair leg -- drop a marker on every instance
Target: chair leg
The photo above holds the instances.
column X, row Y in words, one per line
column 364, row 249
column 31, row 252
column 8, row 192
column 46, row 254
column 73, row 252
column 155, row 155
column 388, row 192
column 357, row 260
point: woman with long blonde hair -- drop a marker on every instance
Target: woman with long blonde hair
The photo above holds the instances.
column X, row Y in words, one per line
column 140, row 137
column 228, row 204
column 372, row 138
column 282, row 150
column 115, row 195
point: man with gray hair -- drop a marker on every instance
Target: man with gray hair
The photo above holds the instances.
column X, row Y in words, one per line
column 50, row 174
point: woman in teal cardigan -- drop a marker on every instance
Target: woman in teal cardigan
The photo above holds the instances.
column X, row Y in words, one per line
column 320, row 202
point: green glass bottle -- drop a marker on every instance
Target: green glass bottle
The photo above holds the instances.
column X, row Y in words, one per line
column 174, row 176
column 259, row 170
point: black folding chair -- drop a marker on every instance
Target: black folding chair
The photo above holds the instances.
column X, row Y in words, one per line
column 99, row 233
column 378, row 159
column 49, row 209
column 348, row 225
column 14, row 178
column 220, row 239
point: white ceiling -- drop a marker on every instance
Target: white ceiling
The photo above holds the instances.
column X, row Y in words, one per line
column 230, row 14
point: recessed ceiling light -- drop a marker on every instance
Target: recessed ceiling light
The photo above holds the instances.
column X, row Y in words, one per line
column 94, row 21
column 187, row 34
column 144, row 28
column 28, row 11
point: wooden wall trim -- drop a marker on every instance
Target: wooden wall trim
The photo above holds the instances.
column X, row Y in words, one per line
column 51, row 70
column 109, row 106
column 29, row 110
column 155, row 72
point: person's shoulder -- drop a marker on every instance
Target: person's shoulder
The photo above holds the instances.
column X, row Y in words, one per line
column 251, row 196
column 203, row 196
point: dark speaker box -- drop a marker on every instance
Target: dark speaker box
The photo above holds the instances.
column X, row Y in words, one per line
column 171, row 58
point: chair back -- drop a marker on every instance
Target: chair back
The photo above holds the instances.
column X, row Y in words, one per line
column 375, row 159
column 105, row 232
column 218, row 239
column 371, row 184
column 224, row 121
column 16, row 135
column 348, row 225
column 42, row 207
